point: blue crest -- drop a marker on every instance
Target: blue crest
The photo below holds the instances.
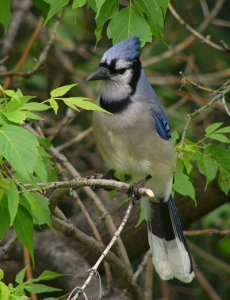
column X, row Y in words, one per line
column 128, row 49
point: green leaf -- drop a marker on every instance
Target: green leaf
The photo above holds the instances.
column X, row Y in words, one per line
column 128, row 22
column 19, row 147
column 4, row 292
column 20, row 276
column 32, row 116
column 225, row 246
column 224, row 181
column 213, row 127
column 141, row 216
column 39, row 208
column 182, row 183
column 224, row 130
column 54, row 8
column 47, row 275
column 211, row 168
column 4, row 216
column 106, row 12
column 155, row 10
column 85, row 103
column 220, row 155
column 23, row 226
column 1, row 274
column 219, row 137
column 40, row 288
column 53, row 104
column 62, row 90
column 35, row 106
column 78, row 3
column 43, row 6
column 5, row 13
column 16, row 116
column 12, row 200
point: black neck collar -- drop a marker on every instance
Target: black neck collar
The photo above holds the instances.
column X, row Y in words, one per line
column 115, row 106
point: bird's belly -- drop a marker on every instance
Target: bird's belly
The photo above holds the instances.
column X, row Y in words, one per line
column 119, row 153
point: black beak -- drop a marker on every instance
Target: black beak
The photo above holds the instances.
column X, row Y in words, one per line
column 101, row 74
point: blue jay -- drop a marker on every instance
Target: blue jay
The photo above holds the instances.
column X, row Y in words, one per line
column 136, row 140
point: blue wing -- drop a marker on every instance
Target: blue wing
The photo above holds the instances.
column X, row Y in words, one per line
column 161, row 124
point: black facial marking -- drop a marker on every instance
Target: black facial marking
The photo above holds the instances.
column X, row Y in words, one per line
column 136, row 73
column 111, row 67
column 115, row 106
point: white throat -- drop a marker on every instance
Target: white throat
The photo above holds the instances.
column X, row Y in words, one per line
column 117, row 88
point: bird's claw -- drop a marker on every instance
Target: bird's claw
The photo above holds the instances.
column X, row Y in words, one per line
column 133, row 190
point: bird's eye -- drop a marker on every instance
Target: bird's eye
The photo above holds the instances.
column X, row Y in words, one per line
column 121, row 71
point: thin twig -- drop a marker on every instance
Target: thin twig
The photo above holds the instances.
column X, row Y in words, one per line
column 211, row 293
column 207, row 231
column 215, row 263
column 29, row 274
column 76, row 139
column 96, row 248
column 219, row 95
column 82, row 182
column 4, row 250
column 187, row 41
column 74, row 296
column 195, row 32
column 141, row 266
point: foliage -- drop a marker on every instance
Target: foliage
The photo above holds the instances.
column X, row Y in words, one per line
column 211, row 159
column 144, row 18
column 32, row 163
column 20, row 291
column 25, row 158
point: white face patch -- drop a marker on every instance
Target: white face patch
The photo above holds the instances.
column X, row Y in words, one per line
column 122, row 64
column 117, row 87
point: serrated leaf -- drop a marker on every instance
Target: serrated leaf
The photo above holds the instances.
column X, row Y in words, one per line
column 53, row 104
column 106, row 12
column 47, row 275
column 19, row 148
column 62, row 90
column 219, row 137
column 213, row 127
column 129, row 22
column 182, row 183
column 39, row 208
column 155, row 10
column 40, row 288
column 4, row 216
column 12, row 200
column 5, row 13
column 220, row 155
column 54, row 8
column 20, row 276
column 23, row 226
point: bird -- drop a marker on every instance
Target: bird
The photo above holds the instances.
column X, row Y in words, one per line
column 135, row 139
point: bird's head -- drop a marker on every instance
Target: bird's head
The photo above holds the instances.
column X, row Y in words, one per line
column 119, row 69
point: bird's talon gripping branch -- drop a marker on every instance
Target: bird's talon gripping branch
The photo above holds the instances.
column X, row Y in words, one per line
column 133, row 190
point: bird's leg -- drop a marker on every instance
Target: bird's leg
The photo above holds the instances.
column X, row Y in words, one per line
column 133, row 190
column 107, row 175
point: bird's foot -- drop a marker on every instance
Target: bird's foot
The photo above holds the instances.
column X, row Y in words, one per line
column 133, row 191
column 108, row 175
